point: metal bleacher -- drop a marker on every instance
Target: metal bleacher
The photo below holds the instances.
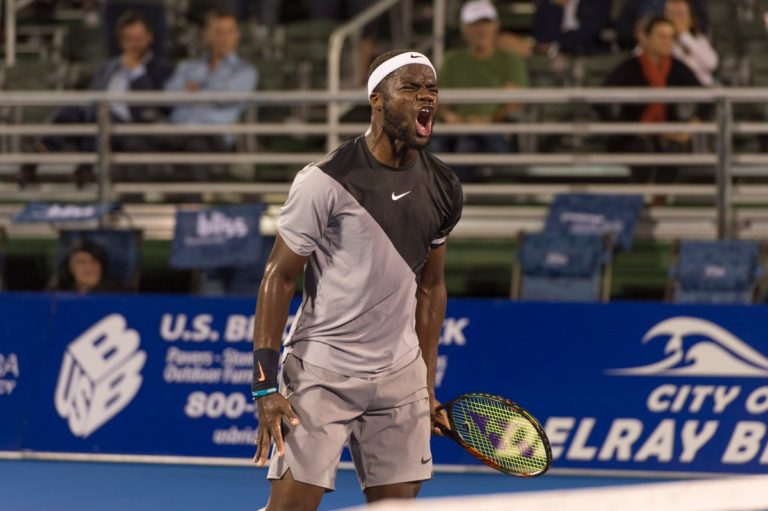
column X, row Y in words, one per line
column 723, row 192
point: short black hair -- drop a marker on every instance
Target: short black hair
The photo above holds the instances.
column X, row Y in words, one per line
column 218, row 13
column 383, row 58
column 129, row 18
column 650, row 23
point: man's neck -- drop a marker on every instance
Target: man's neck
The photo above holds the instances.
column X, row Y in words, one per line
column 655, row 58
column 482, row 52
column 388, row 151
column 215, row 59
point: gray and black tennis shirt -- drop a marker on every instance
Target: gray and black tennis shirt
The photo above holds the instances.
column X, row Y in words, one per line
column 367, row 229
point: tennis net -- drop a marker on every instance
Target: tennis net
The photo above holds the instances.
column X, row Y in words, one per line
column 746, row 493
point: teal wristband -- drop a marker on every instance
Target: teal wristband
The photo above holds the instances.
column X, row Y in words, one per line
column 264, row 392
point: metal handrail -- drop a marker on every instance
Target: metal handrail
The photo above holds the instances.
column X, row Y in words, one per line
column 724, row 128
column 335, row 46
column 548, row 95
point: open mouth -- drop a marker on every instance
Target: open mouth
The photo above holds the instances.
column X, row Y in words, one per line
column 424, row 121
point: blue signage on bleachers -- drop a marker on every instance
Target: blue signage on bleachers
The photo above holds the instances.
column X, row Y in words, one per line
column 223, row 237
column 52, row 213
column 621, row 387
column 584, row 213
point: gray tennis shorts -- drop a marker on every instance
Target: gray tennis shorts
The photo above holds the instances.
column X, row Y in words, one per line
column 385, row 419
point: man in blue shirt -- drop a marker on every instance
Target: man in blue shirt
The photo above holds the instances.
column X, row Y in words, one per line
column 219, row 70
column 137, row 68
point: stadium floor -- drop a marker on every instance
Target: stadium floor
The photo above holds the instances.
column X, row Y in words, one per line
column 30, row 485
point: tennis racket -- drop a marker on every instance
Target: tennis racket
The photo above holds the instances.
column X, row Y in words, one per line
column 499, row 433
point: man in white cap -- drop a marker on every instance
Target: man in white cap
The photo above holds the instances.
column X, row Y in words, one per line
column 478, row 65
column 368, row 223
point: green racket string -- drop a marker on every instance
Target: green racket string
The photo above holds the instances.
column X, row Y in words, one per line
column 500, row 434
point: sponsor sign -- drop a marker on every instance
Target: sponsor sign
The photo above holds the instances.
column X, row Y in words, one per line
column 217, row 238
column 620, row 387
column 45, row 212
column 24, row 323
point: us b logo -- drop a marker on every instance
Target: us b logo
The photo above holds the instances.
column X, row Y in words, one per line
column 100, row 375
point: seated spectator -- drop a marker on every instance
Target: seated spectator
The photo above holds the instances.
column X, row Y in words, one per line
column 151, row 10
column 136, row 69
column 632, row 12
column 219, row 70
column 479, row 65
column 654, row 66
column 571, row 26
column 84, row 270
column 692, row 47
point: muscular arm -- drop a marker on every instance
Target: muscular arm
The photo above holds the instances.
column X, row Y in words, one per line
column 431, row 299
column 275, row 294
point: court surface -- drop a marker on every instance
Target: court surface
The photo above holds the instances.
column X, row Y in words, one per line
column 30, row 485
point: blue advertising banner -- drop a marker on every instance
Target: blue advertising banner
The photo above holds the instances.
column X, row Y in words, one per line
column 46, row 212
column 222, row 237
column 620, row 387
column 22, row 336
column 149, row 375
column 638, row 387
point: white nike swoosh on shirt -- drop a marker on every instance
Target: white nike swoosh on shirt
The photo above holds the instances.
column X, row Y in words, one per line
column 398, row 197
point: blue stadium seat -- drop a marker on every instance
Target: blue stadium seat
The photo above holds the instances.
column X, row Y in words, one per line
column 596, row 214
column 123, row 247
column 243, row 280
column 225, row 246
column 716, row 272
column 557, row 267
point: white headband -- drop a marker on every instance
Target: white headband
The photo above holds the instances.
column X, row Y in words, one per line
column 396, row 62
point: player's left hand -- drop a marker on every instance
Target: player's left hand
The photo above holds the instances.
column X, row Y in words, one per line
column 438, row 416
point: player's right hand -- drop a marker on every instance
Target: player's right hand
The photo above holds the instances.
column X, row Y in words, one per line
column 272, row 409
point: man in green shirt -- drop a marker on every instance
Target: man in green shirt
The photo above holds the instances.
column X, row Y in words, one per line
column 478, row 65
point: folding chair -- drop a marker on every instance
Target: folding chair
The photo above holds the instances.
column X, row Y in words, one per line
column 556, row 267
column 224, row 248
column 717, row 272
column 123, row 248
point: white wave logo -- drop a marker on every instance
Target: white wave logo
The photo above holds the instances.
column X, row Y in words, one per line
column 723, row 355
column 100, row 375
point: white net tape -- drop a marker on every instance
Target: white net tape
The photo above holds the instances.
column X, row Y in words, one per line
column 748, row 493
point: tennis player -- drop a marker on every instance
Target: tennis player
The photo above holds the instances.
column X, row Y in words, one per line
column 368, row 223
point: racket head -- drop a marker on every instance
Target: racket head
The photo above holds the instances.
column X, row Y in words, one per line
column 500, row 433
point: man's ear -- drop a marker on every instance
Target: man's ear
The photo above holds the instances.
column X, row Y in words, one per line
column 376, row 100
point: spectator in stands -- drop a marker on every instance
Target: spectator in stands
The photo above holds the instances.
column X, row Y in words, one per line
column 219, row 70
column 153, row 11
column 691, row 47
column 84, row 270
column 136, row 69
column 479, row 65
column 633, row 11
column 571, row 26
column 653, row 67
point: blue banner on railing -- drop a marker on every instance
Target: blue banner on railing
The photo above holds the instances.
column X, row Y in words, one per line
column 620, row 387
column 25, row 327
column 223, row 237
column 45, row 212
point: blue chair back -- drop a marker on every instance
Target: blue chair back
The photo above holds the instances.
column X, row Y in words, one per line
column 123, row 248
column 221, row 237
column 562, row 267
column 724, row 271
column 579, row 214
